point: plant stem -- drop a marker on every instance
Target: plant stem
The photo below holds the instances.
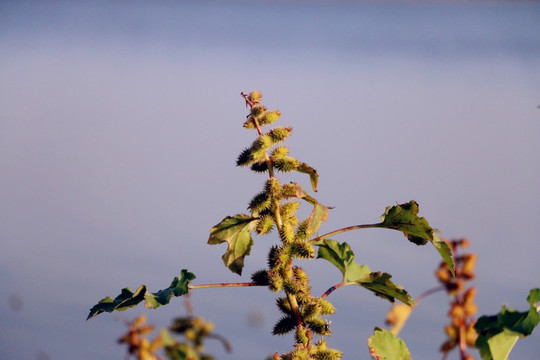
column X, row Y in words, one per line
column 203, row 286
column 277, row 216
column 342, row 230
column 332, row 289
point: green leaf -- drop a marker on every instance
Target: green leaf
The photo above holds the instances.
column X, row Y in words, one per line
column 404, row 218
column 445, row 251
column 317, row 216
column 501, row 344
column 128, row 299
column 342, row 257
column 383, row 345
column 498, row 333
column 236, row 232
column 381, row 285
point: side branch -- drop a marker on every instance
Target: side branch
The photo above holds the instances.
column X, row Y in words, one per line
column 203, row 286
column 332, row 289
column 348, row 228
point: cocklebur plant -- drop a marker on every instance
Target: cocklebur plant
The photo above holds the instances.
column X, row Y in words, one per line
column 273, row 212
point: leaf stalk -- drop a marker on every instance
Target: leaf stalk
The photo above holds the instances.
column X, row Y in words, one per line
column 345, row 229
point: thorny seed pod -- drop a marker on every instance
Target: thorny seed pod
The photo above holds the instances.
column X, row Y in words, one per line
column 276, row 281
column 328, row 354
column 326, row 307
column 260, row 202
column 270, row 117
column 273, row 257
column 285, row 257
column 250, row 123
column 284, row 305
column 291, row 286
column 260, row 278
column 265, row 225
column 263, row 143
column 319, row 326
column 300, row 275
column 258, row 111
column 301, row 230
column 259, row 167
column 310, row 311
column 273, row 188
column 245, row 157
column 286, row 164
column 289, row 190
column 279, row 152
column 285, row 325
column 255, row 96
column 288, row 209
column 302, row 250
column 286, row 233
column 301, row 335
column 304, row 296
column 280, row 133
column 321, row 345
column 299, row 353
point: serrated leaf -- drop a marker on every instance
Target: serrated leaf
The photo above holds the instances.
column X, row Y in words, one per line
column 404, row 217
column 313, row 174
column 128, row 299
column 383, row 345
column 235, row 231
column 498, row 333
column 382, row 286
column 342, row 257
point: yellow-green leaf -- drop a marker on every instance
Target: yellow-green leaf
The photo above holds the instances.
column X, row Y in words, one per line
column 383, row 345
column 342, row 257
column 235, row 231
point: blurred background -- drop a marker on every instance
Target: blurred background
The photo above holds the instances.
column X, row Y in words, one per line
column 120, row 124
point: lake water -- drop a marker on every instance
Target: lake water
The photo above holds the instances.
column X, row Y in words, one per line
column 120, row 124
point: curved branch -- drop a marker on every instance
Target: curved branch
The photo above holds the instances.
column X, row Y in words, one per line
column 345, row 229
column 332, row 289
column 203, row 286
